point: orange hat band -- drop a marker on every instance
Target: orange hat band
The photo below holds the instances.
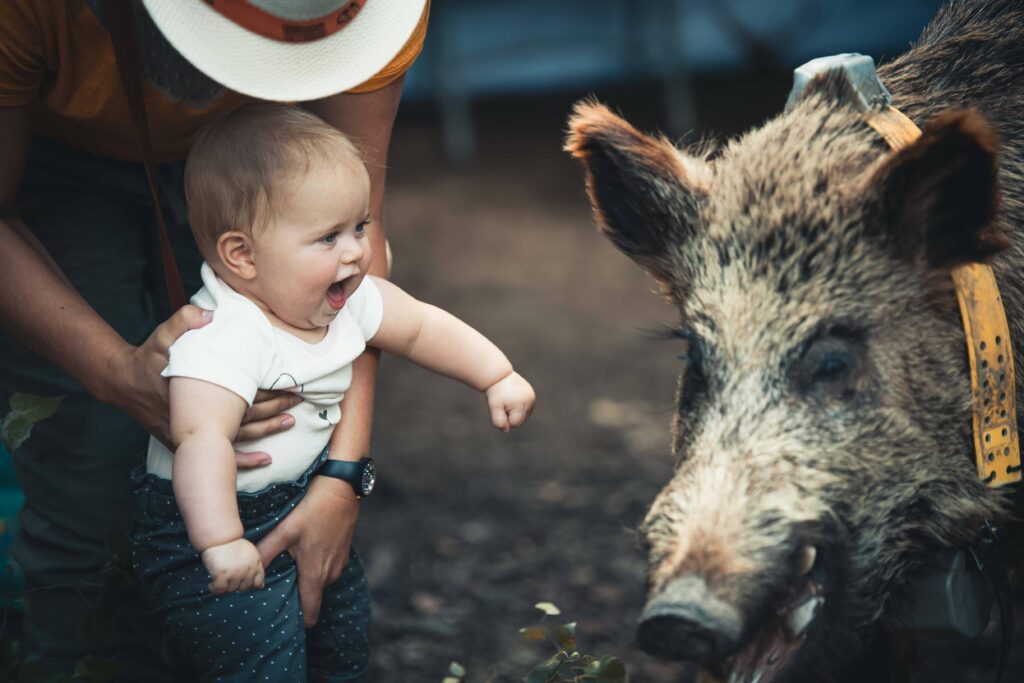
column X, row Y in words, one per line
column 263, row 23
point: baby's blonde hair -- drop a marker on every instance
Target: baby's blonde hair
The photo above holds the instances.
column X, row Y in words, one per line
column 240, row 161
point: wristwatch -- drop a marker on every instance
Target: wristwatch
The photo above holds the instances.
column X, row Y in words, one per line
column 361, row 474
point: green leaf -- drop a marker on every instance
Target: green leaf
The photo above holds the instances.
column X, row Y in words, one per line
column 35, row 408
column 565, row 636
column 548, row 608
column 534, row 633
column 574, row 658
column 457, row 670
column 26, row 410
column 608, row 669
column 14, row 430
column 451, row 679
column 546, row 672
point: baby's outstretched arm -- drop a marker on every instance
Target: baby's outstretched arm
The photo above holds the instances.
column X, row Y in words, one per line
column 439, row 341
column 204, row 420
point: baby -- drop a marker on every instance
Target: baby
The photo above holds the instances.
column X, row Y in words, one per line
column 279, row 204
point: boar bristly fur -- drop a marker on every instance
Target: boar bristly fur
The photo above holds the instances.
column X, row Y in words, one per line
column 824, row 407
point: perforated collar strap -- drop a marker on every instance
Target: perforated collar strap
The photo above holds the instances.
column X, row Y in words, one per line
column 996, row 445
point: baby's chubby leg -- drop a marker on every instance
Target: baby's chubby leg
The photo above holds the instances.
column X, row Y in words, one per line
column 255, row 635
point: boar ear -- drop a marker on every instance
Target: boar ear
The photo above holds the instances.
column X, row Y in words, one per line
column 940, row 194
column 645, row 192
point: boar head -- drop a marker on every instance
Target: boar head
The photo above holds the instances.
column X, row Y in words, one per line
column 823, row 424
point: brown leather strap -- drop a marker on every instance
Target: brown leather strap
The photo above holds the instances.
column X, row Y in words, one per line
column 120, row 18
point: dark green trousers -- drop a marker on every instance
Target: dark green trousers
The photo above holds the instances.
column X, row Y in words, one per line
column 95, row 218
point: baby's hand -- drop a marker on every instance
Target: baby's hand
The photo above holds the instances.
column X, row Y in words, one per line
column 234, row 566
column 511, row 401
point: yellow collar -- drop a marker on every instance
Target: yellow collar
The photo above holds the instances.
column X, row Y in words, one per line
column 996, row 447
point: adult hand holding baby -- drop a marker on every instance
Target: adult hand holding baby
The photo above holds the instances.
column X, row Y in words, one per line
column 137, row 388
column 321, row 551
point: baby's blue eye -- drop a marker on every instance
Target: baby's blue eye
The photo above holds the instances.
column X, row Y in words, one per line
column 329, row 239
column 361, row 227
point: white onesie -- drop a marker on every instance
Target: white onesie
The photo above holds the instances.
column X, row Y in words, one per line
column 240, row 350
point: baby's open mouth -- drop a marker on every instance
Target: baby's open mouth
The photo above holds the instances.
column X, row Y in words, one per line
column 336, row 296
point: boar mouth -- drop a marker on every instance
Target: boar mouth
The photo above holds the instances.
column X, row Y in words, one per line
column 767, row 655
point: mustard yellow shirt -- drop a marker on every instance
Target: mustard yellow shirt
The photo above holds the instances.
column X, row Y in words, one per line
column 56, row 57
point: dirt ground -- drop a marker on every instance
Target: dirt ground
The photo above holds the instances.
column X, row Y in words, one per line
column 471, row 527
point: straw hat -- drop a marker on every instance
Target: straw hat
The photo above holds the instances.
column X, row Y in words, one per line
column 287, row 50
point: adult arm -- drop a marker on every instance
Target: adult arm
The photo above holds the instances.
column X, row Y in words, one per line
column 318, row 532
column 42, row 310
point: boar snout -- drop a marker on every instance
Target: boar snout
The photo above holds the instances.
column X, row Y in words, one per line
column 684, row 621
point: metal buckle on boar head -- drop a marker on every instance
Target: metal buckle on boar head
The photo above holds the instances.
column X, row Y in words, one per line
column 860, row 72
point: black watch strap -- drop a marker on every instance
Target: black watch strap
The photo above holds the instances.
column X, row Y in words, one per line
column 351, row 471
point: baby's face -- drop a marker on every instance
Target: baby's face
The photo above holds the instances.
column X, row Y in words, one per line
column 314, row 253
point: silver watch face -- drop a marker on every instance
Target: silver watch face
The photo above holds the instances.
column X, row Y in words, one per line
column 369, row 477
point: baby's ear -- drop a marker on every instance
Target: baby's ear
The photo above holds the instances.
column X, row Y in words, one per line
column 236, row 253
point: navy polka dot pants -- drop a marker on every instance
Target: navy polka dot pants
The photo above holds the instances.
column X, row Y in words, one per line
column 257, row 635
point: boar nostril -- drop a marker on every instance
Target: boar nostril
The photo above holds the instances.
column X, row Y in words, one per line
column 676, row 637
column 686, row 622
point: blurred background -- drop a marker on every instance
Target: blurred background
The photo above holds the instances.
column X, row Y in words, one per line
column 483, row 50
column 469, row 528
column 488, row 219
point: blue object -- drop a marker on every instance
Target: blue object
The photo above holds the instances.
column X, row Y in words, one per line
column 11, row 579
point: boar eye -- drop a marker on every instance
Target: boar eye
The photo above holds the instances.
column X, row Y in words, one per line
column 832, row 366
column 828, row 366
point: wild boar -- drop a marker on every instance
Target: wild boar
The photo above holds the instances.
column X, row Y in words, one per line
column 823, row 428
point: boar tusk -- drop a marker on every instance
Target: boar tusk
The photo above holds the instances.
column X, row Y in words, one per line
column 807, row 558
column 803, row 614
